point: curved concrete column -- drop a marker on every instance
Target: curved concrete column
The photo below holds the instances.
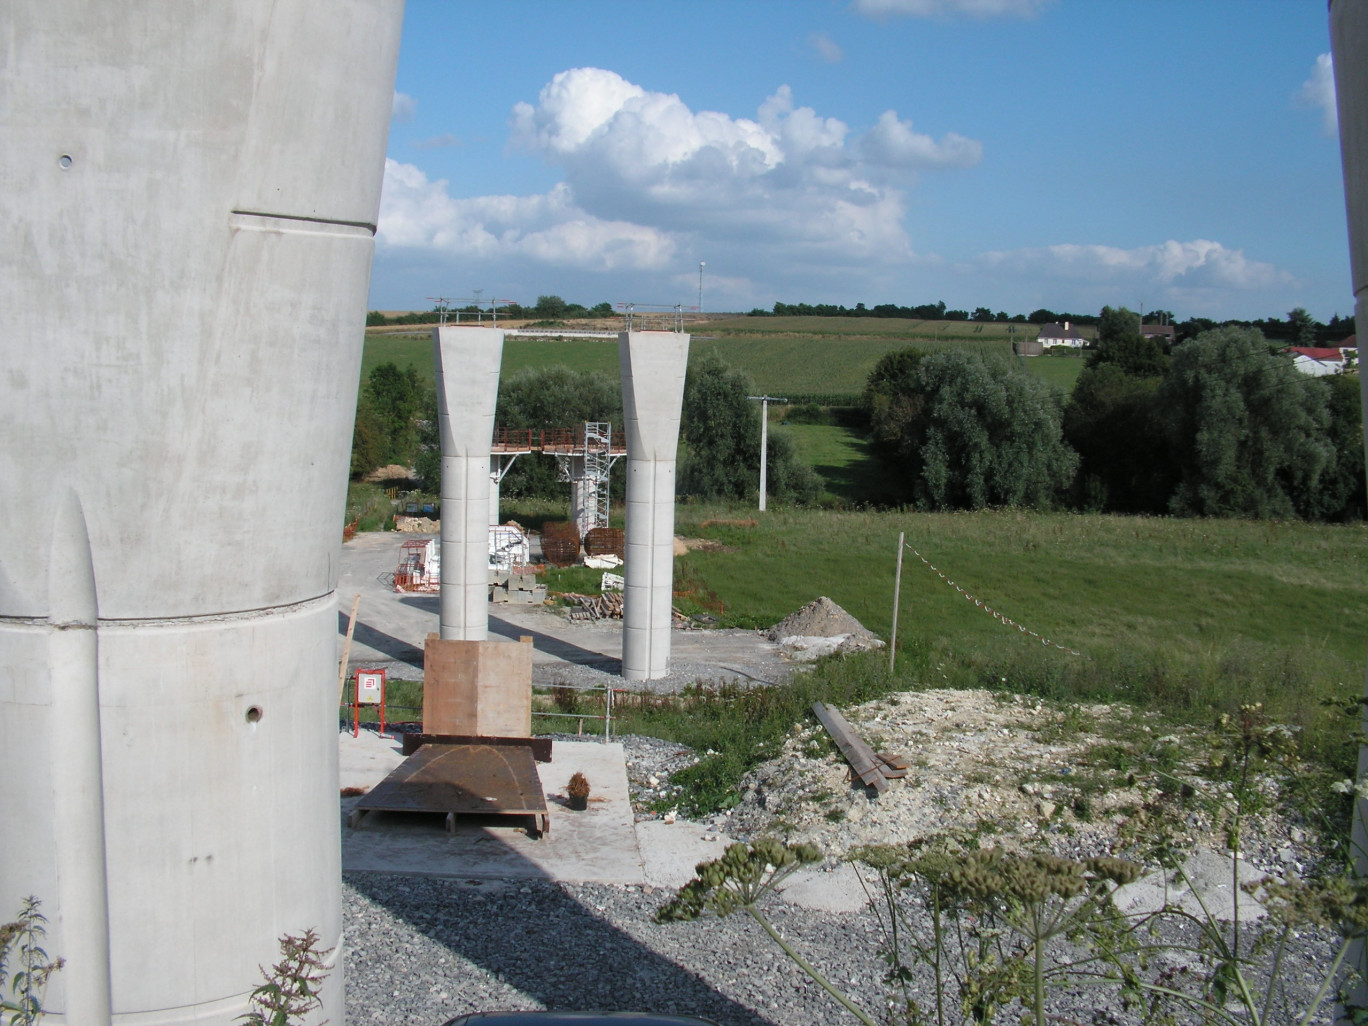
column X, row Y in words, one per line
column 1349, row 45
column 653, row 367
column 181, row 303
column 467, row 391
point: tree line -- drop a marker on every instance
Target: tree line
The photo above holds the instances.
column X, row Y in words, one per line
column 1224, row 425
column 396, row 423
column 547, row 308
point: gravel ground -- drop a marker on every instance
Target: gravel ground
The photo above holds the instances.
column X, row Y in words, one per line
column 756, row 668
column 421, row 950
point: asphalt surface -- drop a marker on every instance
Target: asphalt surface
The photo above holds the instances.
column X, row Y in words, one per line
column 391, row 628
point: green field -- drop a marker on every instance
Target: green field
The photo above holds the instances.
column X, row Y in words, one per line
column 802, row 355
column 851, row 473
column 1184, row 615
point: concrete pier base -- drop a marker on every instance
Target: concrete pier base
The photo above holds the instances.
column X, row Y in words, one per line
column 194, row 189
column 653, row 367
column 467, row 390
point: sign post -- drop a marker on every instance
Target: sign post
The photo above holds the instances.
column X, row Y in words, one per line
column 370, row 690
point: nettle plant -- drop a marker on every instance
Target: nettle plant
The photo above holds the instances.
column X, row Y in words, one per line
column 989, row 934
column 22, row 989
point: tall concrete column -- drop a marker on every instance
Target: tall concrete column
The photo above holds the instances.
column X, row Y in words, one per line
column 467, row 390
column 653, row 367
column 1349, row 45
column 190, row 221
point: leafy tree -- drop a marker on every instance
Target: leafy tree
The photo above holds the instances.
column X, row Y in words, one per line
column 387, row 410
column 981, row 313
column 720, row 431
column 1119, row 341
column 1110, row 421
column 1042, row 316
column 369, row 443
column 1303, row 327
column 1247, row 431
column 972, row 430
column 550, row 308
column 1341, row 492
column 553, row 397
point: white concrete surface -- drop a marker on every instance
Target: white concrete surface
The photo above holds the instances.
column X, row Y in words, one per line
column 598, row 844
column 653, row 366
column 467, row 389
column 1206, row 886
column 193, row 195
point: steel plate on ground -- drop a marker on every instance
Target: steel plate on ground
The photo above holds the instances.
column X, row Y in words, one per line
column 462, row 780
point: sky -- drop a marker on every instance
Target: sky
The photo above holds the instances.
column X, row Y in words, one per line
column 1011, row 154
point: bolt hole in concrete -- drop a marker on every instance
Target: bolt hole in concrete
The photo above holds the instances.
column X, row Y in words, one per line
column 254, row 714
column 64, row 160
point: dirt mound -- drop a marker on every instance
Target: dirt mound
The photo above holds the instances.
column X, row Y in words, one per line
column 392, row 472
column 820, row 618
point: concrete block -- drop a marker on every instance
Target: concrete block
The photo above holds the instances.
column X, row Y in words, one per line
column 477, row 687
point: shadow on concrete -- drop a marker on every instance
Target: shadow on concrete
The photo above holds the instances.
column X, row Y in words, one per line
column 545, row 944
column 558, row 647
column 397, row 649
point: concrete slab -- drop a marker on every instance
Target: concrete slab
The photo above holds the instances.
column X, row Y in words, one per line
column 826, row 890
column 1212, row 878
column 670, row 851
column 391, row 629
column 598, row 845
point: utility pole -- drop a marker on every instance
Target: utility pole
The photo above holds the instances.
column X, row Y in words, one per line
column 701, row 265
column 765, row 400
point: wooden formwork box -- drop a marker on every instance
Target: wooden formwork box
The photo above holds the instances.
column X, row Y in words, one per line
column 480, row 688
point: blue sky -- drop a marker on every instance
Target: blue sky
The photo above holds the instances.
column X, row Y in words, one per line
column 1014, row 154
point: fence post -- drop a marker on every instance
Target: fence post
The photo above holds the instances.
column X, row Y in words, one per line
column 897, row 593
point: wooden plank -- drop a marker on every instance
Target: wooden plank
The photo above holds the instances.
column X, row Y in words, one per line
column 861, row 758
column 888, row 769
column 893, row 760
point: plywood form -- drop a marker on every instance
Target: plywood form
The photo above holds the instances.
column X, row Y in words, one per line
column 477, row 687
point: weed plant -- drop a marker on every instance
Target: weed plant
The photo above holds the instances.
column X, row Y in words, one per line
column 23, row 987
column 986, row 935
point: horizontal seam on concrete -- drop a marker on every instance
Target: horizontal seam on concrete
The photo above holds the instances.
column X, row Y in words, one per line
column 303, row 605
column 368, row 226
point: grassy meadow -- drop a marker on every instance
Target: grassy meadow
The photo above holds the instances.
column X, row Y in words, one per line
column 1192, row 617
column 802, row 355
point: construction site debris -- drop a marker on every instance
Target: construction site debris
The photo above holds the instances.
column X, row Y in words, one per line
column 596, row 607
column 820, row 628
column 560, row 543
column 612, row 582
column 871, row 768
column 606, row 541
column 420, row 566
column 608, row 562
column 515, row 588
column 416, row 525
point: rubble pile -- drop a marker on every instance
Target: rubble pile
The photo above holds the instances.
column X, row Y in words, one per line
column 820, row 628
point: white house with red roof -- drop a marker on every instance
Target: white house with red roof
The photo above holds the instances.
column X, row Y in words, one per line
column 1318, row 361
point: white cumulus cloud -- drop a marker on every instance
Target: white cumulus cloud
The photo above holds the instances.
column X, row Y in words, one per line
column 1197, row 275
column 1319, row 91
column 548, row 229
column 981, row 9
column 647, row 183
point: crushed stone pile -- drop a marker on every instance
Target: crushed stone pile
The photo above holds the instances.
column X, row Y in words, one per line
column 820, row 628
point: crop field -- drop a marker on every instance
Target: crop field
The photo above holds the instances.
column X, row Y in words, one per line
column 1190, row 616
column 802, row 355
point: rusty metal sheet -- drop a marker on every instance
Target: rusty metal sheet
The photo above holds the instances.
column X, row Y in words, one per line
column 541, row 746
column 460, row 780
